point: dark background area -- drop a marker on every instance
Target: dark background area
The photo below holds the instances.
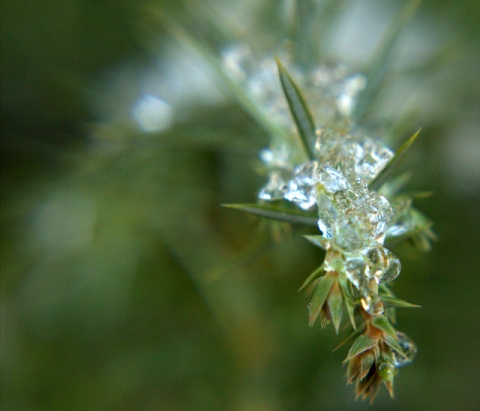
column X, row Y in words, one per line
column 125, row 285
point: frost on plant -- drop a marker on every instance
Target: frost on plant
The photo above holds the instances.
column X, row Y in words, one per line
column 325, row 168
column 332, row 170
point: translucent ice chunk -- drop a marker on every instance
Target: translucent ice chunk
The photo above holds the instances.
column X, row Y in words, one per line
column 276, row 187
column 371, row 158
column 379, row 212
column 332, row 179
column 351, row 232
column 357, row 156
column 382, row 264
column 327, row 213
column 402, row 221
column 334, row 91
column 363, row 211
column 355, row 267
column 336, row 151
column 302, row 187
column 393, row 268
column 409, row 349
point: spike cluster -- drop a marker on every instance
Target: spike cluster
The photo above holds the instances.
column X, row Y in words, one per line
column 332, row 174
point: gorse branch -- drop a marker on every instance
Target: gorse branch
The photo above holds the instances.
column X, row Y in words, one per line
column 328, row 170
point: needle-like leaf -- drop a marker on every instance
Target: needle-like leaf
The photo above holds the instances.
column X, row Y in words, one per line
column 335, row 300
column 391, row 301
column 377, row 182
column 383, row 324
column 312, row 277
column 276, row 213
column 348, row 300
column 298, row 108
column 361, row 344
column 318, row 240
column 319, row 297
column 393, row 343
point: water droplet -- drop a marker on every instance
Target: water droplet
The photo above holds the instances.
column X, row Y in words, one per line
column 392, row 269
column 409, row 348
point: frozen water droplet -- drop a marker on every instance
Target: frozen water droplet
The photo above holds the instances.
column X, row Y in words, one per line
column 276, row 187
column 393, row 268
column 409, row 349
column 353, row 209
column 402, row 221
column 383, row 265
column 355, row 267
column 376, row 261
column 356, row 155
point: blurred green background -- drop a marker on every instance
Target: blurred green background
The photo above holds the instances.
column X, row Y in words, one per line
column 125, row 285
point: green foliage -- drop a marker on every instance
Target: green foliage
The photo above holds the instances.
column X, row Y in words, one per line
column 385, row 173
column 124, row 284
column 276, row 213
column 298, row 108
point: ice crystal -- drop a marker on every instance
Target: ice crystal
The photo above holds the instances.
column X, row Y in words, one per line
column 352, row 217
column 383, row 265
column 301, row 188
column 402, row 221
column 334, row 91
column 332, row 180
column 276, row 187
column 330, row 90
column 355, row 266
column 356, row 207
column 357, row 156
